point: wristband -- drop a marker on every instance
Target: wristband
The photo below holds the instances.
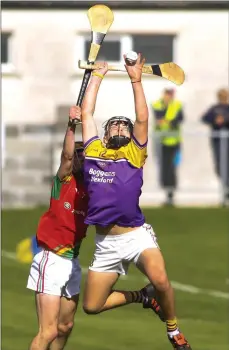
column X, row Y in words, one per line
column 138, row 81
column 95, row 74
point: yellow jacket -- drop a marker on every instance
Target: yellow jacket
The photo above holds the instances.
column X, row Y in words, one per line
column 169, row 129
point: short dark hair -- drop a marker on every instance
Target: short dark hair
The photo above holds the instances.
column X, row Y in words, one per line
column 169, row 91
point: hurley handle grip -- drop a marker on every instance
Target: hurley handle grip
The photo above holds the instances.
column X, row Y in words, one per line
column 83, row 88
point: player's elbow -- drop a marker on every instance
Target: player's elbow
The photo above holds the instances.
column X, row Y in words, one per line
column 142, row 119
column 142, row 116
column 67, row 156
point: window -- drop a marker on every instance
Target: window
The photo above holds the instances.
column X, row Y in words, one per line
column 112, row 49
column 5, row 49
column 156, row 48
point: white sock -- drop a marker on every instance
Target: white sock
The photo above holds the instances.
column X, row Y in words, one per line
column 171, row 334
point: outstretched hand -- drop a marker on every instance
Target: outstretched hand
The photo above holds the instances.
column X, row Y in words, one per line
column 135, row 71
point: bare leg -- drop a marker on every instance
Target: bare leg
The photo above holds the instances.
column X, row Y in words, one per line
column 116, row 299
column 68, row 309
column 99, row 296
column 97, row 290
column 151, row 263
column 48, row 307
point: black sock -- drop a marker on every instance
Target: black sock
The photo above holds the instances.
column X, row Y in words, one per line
column 137, row 296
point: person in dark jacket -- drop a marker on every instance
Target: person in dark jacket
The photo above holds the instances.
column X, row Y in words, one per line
column 217, row 117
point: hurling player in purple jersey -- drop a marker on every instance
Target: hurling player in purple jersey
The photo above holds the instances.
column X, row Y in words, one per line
column 113, row 173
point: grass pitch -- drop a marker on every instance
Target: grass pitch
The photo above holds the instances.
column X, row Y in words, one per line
column 195, row 246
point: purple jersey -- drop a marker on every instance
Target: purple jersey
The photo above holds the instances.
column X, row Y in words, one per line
column 114, row 180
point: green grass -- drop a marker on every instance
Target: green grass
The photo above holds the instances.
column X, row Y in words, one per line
column 195, row 246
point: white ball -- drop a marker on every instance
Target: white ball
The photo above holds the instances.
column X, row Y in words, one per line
column 131, row 57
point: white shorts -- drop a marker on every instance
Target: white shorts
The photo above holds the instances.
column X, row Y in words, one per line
column 114, row 253
column 54, row 275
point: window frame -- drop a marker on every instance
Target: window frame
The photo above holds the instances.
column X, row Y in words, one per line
column 8, row 67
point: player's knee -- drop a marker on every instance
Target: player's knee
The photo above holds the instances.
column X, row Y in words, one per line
column 65, row 328
column 161, row 282
column 49, row 334
column 90, row 309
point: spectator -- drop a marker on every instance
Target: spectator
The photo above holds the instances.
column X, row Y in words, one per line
column 168, row 115
column 3, row 139
column 217, row 117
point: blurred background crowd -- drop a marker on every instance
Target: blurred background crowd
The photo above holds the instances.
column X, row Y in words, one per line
column 41, row 43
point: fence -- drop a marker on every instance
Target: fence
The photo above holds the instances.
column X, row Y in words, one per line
column 32, row 157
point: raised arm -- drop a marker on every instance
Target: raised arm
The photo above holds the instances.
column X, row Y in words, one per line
column 89, row 128
column 140, row 131
column 67, row 154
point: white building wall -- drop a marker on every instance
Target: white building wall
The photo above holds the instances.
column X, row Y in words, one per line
column 44, row 58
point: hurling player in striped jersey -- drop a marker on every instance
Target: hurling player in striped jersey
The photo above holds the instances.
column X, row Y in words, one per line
column 55, row 272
